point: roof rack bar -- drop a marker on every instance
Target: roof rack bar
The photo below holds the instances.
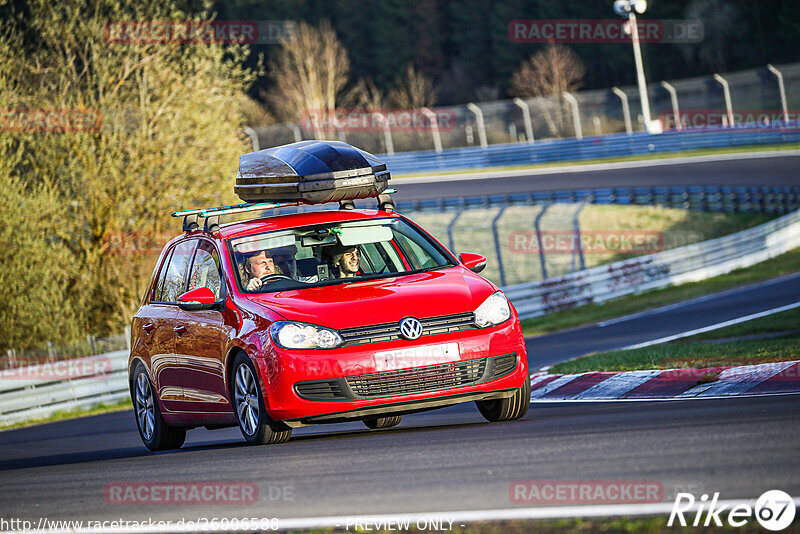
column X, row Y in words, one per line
column 244, row 208
column 197, row 211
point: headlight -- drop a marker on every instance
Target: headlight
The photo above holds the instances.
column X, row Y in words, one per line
column 291, row 335
column 493, row 311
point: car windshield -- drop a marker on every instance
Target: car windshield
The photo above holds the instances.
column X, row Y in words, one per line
column 326, row 254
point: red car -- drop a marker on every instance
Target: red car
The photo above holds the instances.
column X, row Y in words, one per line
column 318, row 317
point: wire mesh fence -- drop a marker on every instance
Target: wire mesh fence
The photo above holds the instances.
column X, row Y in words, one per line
column 754, row 95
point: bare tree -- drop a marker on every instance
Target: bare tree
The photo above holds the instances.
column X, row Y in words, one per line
column 413, row 90
column 309, row 72
column 550, row 73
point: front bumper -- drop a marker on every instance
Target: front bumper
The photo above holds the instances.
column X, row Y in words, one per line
column 360, row 395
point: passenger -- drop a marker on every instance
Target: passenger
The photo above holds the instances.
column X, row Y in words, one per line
column 347, row 260
column 256, row 266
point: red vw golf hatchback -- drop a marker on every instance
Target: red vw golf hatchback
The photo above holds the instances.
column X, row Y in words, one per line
column 318, row 317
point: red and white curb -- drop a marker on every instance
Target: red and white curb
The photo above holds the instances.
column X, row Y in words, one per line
column 760, row 379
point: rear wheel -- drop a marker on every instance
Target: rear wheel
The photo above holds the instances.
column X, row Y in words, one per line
column 248, row 404
column 155, row 433
column 508, row 409
column 376, row 423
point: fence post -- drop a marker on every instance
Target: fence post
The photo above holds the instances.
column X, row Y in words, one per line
column 128, row 338
column 526, row 117
column 539, row 239
column 673, row 97
column 253, row 137
column 497, row 245
column 450, row 229
column 626, row 111
column 92, row 343
column 576, row 229
column 437, row 138
column 727, row 93
column 51, row 351
column 576, row 119
column 298, row 136
column 481, row 126
column 387, row 132
column 782, row 91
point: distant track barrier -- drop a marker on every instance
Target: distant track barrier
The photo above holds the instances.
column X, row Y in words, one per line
column 690, row 263
column 604, row 146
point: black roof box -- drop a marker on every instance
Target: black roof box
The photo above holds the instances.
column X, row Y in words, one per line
column 312, row 172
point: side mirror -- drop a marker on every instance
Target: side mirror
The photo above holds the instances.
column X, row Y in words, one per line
column 201, row 298
column 474, row 262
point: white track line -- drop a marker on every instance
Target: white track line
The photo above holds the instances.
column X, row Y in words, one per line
column 713, row 327
column 456, row 517
column 590, row 167
column 693, row 301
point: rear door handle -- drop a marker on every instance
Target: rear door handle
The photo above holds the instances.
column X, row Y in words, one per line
column 180, row 330
column 148, row 327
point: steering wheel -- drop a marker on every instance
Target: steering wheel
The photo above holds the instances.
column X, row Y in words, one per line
column 272, row 277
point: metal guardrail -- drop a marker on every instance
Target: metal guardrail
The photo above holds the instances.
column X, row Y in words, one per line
column 690, row 263
column 38, row 391
column 613, row 145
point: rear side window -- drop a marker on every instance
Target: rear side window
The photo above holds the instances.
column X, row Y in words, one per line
column 205, row 269
column 174, row 284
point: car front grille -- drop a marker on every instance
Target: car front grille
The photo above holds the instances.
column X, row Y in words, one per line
column 418, row 379
column 409, row 381
column 391, row 331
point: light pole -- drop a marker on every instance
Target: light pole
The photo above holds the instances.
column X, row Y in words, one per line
column 628, row 9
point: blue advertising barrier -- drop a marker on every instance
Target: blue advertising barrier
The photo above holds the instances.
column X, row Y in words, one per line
column 614, row 145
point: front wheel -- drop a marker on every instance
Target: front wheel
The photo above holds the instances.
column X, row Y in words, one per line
column 155, row 433
column 508, row 409
column 376, row 423
column 248, row 404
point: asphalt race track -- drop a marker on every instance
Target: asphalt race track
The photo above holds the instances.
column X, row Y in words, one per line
column 437, row 461
column 450, row 460
column 769, row 171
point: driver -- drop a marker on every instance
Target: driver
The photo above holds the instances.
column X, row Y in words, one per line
column 257, row 266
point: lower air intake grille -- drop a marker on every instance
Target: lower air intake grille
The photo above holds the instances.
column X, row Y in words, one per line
column 320, row 390
column 503, row 365
column 417, row 380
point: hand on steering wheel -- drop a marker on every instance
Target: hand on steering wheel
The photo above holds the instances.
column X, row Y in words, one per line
column 272, row 277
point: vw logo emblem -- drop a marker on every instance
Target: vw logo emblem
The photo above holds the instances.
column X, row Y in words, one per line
column 410, row 328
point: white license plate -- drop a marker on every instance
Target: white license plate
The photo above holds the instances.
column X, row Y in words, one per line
column 417, row 356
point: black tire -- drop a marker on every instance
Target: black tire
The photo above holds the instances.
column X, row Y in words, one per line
column 248, row 406
column 377, row 423
column 508, row 409
column 156, row 434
